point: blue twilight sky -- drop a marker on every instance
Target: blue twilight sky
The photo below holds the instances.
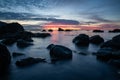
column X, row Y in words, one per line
column 61, row 11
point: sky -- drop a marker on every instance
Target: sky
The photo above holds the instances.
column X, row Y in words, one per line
column 82, row 13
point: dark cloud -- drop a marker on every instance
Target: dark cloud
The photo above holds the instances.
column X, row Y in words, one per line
column 99, row 19
column 28, row 16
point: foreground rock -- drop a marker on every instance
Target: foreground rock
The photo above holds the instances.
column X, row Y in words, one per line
column 59, row 52
column 98, row 31
column 16, row 54
column 115, row 31
column 113, row 43
column 81, row 40
column 23, row 43
column 9, row 41
column 96, row 39
column 11, row 28
column 5, row 57
column 28, row 61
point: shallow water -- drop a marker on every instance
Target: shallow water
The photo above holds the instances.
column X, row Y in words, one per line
column 80, row 67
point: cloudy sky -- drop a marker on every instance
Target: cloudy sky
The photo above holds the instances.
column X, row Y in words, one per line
column 73, row 12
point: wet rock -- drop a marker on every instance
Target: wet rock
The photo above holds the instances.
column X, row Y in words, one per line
column 9, row 41
column 116, row 42
column 60, row 29
column 104, row 54
column 59, row 52
column 115, row 62
column 41, row 35
column 82, row 40
column 43, row 30
column 16, row 54
column 96, row 39
column 23, row 43
column 115, row 31
column 5, row 57
column 29, row 61
column 98, row 31
column 82, row 53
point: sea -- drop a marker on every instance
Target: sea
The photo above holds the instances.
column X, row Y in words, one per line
column 80, row 67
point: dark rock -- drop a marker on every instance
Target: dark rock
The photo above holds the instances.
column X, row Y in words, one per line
column 82, row 40
column 107, row 44
column 98, row 31
column 23, row 43
column 115, row 62
column 67, row 30
column 2, row 23
column 104, row 54
column 96, row 39
column 41, row 35
column 60, row 29
column 28, row 61
column 11, row 28
column 5, row 57
column 50, row 30
column 59, row 52
column 15, row 54
column 43, row 30
column 9, row 41
column 115, row 31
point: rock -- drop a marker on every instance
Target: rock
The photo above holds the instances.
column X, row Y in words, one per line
column 108, row 43
column 116, row 42
column 11, row 28
column 60, row 29
column 67, row 30
column 43, row 30
column 23, row 43
column 50, row 30
column 115, row 62
column 96, row 39
column 104, row 54
column 98, row 31
column 5, row 57
column 41, row 35
column 59, row 52
column 82, row 40
column 28, row 61
column 9, row 41
column 82, row 53
column 2, row 23
column 15, row 54
column 115, row 31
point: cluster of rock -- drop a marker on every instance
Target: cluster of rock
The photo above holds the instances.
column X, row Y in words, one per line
column 14, row 32
column 84, row 40
column 110, row 51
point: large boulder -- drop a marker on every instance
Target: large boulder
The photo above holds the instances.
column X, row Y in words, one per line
column 11, row 28
column 114, row 43
column 59, row 52
column 96, row 39
column 28, row 61
column 60, row 29
column 81, row 39
column 5, row 57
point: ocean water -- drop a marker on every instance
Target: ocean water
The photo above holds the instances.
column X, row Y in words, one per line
column 80, row 67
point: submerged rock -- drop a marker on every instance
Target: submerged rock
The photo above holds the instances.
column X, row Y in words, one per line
column 28, row 61
column 15, row 54
column 82, row 40
column 59, row 52
column 98, row 31
column 23, row 43
column 96, row 39
column 5, row 57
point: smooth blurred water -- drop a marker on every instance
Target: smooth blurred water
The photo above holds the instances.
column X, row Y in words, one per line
column 80, row 67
